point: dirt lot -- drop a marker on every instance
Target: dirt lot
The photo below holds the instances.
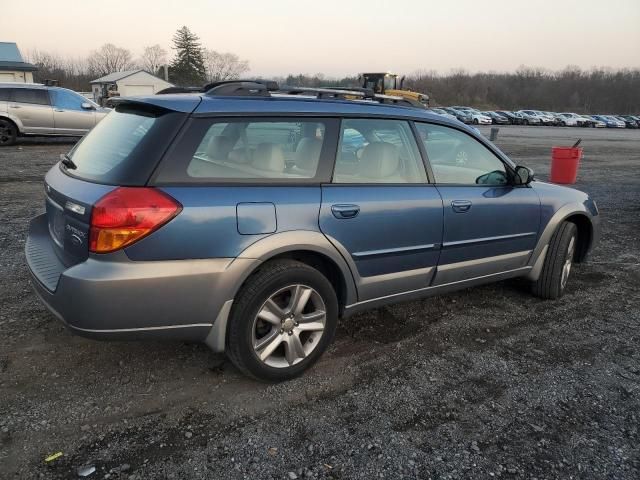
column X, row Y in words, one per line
column 488, row 382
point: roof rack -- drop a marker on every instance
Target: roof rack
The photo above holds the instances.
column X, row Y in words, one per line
column 327, row 92
column 269, row 88
column 241, row 88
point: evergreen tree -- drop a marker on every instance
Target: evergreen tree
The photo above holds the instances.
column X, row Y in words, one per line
column 187, row 68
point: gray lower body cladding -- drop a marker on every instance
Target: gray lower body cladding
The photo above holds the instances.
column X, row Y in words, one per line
column 111, row 297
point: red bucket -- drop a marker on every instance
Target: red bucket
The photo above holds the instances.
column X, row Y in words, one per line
column 564, row 164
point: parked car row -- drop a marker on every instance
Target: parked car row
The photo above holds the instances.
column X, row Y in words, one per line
column 474, row 116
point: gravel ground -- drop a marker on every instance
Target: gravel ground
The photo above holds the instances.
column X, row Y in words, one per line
column 484, row 383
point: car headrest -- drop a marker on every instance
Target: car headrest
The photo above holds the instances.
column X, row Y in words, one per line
column 379, row 160
column 269, row 156
column 308, row 153
column 219, row 147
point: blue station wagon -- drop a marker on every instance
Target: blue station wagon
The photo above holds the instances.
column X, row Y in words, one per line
column 251, row 219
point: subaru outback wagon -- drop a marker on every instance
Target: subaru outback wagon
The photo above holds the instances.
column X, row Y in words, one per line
column 251, row 220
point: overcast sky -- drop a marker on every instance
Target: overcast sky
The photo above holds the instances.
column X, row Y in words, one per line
column 344, row 37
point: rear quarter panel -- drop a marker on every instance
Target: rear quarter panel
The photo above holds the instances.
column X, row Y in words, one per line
column 208, row 226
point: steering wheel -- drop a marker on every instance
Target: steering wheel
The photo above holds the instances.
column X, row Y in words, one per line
column 461, row 157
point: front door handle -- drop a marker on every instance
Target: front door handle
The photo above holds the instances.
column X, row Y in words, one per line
column 461, row 206
column 14, row 106
column 345, row 211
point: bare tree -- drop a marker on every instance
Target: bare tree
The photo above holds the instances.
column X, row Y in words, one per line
column 223, row 66
column 109, row 58
column 153, row 58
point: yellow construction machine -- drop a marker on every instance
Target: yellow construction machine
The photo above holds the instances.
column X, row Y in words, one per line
column 392, row 84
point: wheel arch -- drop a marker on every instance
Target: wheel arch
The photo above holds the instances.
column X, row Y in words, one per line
column 585, row 221
column 309, row 247
column 16, row 122
column 585, row 235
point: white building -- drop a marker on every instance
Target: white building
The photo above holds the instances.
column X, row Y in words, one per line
column 128, row 83
column 12, row 66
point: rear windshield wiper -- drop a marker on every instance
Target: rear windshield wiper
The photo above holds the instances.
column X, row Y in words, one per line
column 67, row 162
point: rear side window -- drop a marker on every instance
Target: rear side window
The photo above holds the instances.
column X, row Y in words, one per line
column 124, row 147
column 252, row 150
column 5, row 94
column 31, row 95
column 378, row 151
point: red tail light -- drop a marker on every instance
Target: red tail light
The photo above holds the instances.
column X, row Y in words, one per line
column 127, row 214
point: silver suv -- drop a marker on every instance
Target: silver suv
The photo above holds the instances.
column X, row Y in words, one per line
column 33, row 109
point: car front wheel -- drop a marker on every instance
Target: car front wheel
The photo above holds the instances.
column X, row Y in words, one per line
column 557, row 264
column 282, row 321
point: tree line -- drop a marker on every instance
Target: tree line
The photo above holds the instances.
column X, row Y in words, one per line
column 192, row 64
column 599, row 90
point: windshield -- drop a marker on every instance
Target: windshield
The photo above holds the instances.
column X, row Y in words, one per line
column 125, row 146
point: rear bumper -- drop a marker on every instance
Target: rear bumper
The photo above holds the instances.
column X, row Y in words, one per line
column 112, row 297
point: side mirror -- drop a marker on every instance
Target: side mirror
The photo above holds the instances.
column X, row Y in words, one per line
column 524, row 175
column 87, row 106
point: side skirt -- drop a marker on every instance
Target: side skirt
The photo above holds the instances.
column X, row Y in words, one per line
column 435, row 290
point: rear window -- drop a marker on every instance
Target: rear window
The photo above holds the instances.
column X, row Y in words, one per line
column 125, row 147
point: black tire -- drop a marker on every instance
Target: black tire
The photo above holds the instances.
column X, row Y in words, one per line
column 268, row 280
column 475, row 121
column 550, row 284
column 525, row 122
column 8, row 132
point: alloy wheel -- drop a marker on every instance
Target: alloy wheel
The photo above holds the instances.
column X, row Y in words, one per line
column 288, row 326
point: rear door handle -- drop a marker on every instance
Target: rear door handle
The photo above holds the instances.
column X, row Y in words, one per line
column 14, row 106
column 345, row 211
column 461, row 206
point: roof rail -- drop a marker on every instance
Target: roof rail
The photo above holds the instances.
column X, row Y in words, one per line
column 252, row 88
column 170, row 90
column 265, row 88
column 322, row 92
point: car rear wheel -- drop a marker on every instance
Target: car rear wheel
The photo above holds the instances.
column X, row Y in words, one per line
column 282, row 321
column 525, row 122
column 475, row 121
column 8, row 132
column 557, row 264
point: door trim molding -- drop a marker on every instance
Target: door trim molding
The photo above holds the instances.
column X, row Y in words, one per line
column 488, row 239
column 387, row 251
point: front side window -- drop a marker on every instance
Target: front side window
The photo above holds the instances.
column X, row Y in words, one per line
column 378, row 151
column 67, row 100
column 255, row 149
column 31, row 95
column 458, row 158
